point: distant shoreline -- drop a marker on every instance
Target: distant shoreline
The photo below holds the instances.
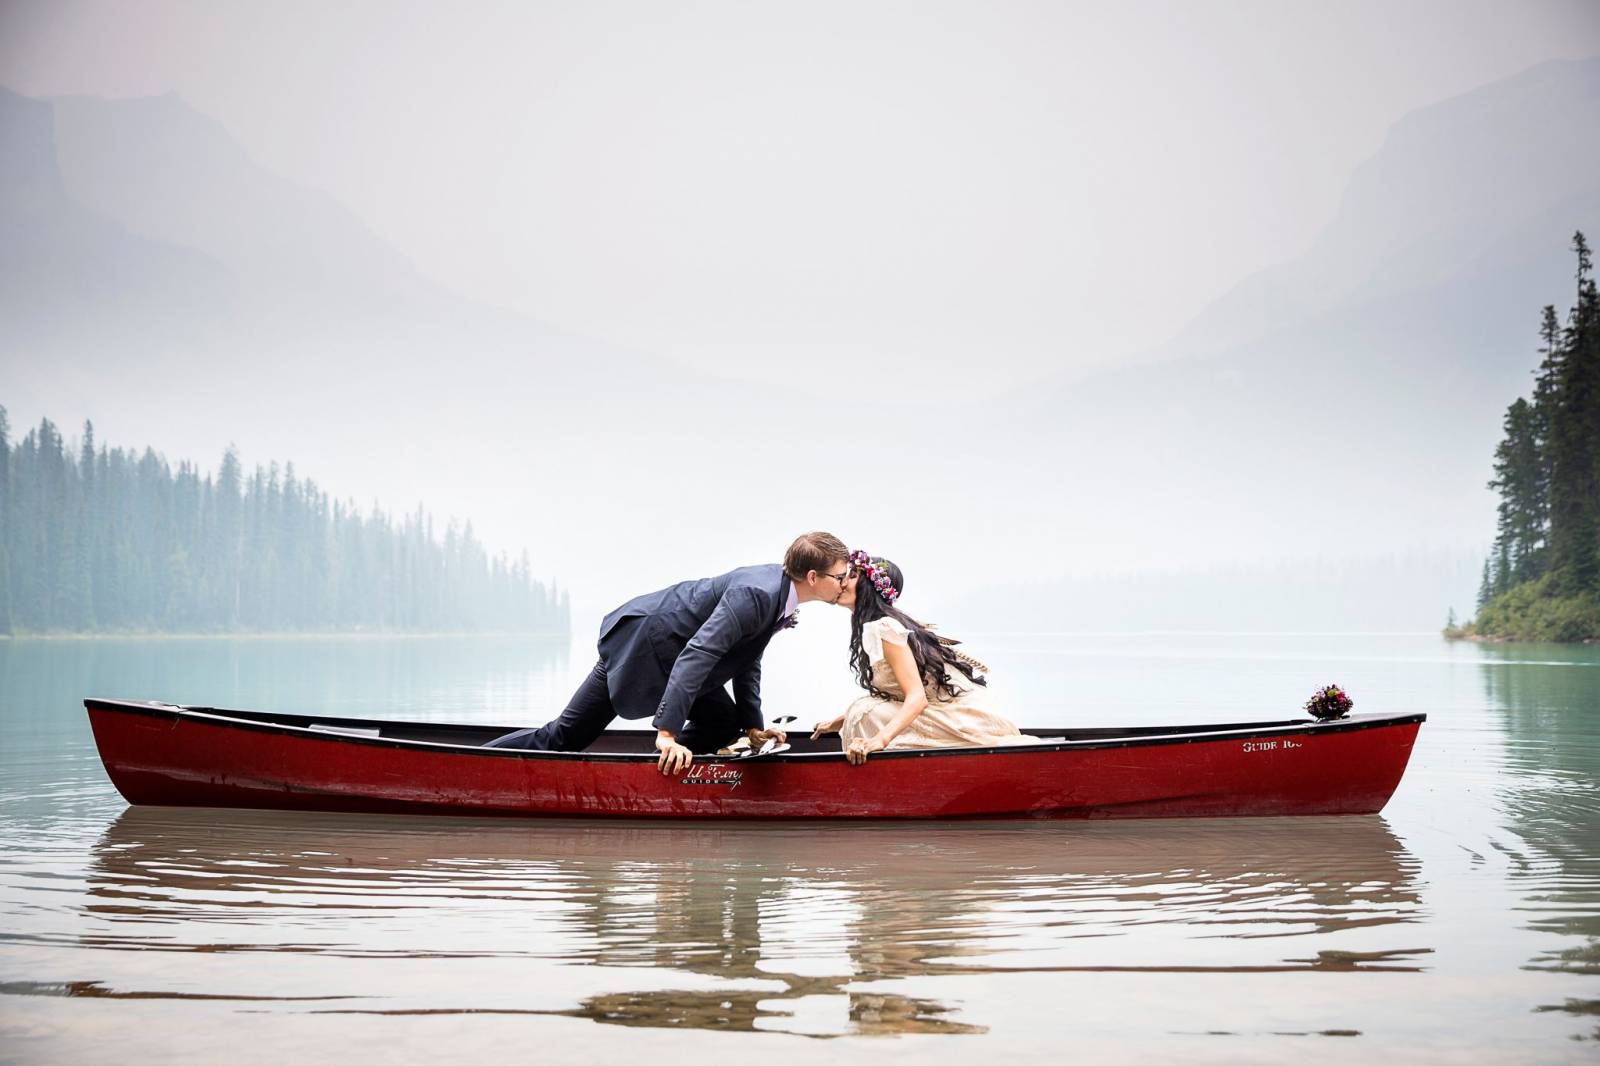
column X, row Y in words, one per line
column 1479, row 638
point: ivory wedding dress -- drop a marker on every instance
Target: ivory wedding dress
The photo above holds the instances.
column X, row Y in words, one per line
column 962, row 720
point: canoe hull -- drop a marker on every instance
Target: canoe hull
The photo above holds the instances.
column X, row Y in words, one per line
column 169, row 756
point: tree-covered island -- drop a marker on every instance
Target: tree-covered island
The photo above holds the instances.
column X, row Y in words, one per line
column 1542, row 578
column 108, row 540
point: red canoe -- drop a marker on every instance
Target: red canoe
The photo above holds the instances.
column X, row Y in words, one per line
column 158, row 753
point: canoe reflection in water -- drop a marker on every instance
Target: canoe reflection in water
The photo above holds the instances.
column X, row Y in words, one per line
column 823, row 929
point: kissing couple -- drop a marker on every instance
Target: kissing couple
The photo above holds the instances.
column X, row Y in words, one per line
column 670, row 656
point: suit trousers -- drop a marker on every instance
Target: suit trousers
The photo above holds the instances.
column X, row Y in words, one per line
column 712, row 721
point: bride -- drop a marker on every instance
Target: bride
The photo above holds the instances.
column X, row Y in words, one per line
column 921, row 692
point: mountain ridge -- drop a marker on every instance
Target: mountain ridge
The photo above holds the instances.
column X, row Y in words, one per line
column 1259, row 300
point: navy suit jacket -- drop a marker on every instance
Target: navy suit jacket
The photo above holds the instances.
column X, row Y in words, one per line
column 663, row 649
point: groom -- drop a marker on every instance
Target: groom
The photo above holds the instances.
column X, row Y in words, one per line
column 667, row 655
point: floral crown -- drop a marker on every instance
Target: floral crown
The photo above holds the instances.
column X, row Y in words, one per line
column 876, row 572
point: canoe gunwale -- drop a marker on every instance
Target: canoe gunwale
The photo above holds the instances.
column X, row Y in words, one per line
column 1144, row 737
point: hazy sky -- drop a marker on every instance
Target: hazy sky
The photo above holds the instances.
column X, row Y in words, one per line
column 1012, row 189
column 926, row 202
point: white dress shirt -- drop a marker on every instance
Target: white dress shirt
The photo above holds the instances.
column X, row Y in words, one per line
column 792, row 605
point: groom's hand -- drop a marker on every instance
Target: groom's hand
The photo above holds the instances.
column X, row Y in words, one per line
column 674, row 758
column 759, row 737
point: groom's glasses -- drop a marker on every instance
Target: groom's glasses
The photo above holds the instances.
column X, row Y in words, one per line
column 841, row 578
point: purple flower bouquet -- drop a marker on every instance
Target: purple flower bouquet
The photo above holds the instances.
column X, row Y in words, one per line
column 1329, row 703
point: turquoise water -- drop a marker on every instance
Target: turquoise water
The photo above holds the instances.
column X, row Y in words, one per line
column 1462, row 923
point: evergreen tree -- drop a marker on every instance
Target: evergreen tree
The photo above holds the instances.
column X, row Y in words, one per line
column 84, row 527
column 1545, row 388
column 5, row 522
column 1519, row 479
column 228, row 546
column 1580, row 247
column 1547, row 471
column 108, row 538
column 1574, row 449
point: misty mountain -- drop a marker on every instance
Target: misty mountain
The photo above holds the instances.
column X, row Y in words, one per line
column 1490, row 177
column 1343, row 403
column 152, row 246
column 1341, row 406
column 169, row 173
column 162, row 282
column 59, row 259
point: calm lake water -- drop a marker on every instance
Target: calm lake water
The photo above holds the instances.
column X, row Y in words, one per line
column 1461, row 924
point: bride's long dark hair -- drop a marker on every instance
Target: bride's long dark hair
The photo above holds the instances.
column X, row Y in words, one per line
column 932, row 655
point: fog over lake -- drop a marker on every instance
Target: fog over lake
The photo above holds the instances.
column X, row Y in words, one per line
column 1012, row 294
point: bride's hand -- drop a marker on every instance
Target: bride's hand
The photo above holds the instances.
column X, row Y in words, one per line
column 832, row 725
column 860, row 748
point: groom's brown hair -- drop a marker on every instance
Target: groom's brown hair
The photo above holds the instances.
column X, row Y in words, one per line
column 813, row 551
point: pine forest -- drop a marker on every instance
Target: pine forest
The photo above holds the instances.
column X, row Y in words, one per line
column 1542, row 578
column 98, row 539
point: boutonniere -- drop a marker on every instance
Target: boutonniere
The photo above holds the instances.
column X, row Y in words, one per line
column 790, row 620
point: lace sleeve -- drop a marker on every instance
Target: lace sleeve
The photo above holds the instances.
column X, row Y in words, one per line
column 876, row 632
